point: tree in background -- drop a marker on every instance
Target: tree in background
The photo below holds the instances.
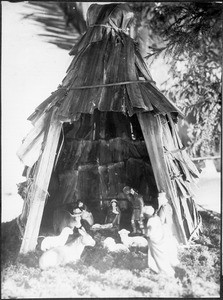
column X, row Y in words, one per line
column 187, row 34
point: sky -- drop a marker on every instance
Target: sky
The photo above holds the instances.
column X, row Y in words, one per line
column 31, row 70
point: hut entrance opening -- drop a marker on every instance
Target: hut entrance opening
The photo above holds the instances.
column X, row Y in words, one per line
column 100, row 154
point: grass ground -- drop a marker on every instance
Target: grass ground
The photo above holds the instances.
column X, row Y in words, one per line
column 102, row 274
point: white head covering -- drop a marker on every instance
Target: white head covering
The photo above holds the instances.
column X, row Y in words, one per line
column 162, row 199
column 148, row 210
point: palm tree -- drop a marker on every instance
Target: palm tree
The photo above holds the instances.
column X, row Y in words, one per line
column 63, row 22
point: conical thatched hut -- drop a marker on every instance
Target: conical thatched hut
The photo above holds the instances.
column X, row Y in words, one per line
column 106, row 126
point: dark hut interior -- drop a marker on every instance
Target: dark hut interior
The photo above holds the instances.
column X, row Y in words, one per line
column 99, row 154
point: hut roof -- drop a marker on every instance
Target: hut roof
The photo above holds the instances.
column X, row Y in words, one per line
column 107, row 72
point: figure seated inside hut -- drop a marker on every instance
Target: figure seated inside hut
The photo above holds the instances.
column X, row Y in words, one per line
column 113, row 214
column 112, row 217
column 86, row 216
column 87, row 219
column 86, row 213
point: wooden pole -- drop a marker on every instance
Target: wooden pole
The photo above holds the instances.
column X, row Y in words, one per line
column 152, row 132
column 41, row 183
